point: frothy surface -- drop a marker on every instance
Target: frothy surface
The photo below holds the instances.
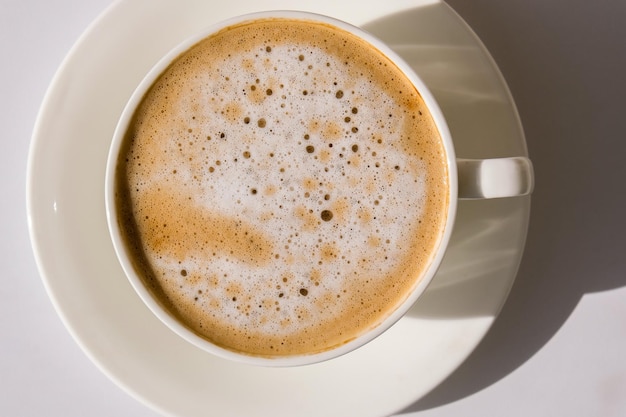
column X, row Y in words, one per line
column 283, row 187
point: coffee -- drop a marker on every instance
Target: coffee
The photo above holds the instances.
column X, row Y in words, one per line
column 281, row 187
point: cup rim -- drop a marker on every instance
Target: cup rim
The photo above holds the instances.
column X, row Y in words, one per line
column 160, row 311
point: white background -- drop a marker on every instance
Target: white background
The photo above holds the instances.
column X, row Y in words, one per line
column 558, row 347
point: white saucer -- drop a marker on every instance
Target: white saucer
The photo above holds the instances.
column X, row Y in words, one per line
column 112, row 325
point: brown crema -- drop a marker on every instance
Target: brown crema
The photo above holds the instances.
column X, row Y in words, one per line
column 282, row 187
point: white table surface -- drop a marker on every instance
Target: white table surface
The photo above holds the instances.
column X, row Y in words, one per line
column 559, row 346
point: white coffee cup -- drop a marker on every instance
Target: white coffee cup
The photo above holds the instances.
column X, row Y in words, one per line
column 475, row 179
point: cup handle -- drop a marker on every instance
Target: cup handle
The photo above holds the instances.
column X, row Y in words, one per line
column 495, row 178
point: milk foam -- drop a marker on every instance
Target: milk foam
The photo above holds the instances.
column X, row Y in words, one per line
column 286, row 194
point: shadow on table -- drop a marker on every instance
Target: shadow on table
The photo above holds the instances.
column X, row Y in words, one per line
column 565, row 70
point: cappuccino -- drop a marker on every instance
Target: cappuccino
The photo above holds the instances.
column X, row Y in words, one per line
column 282, row 187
